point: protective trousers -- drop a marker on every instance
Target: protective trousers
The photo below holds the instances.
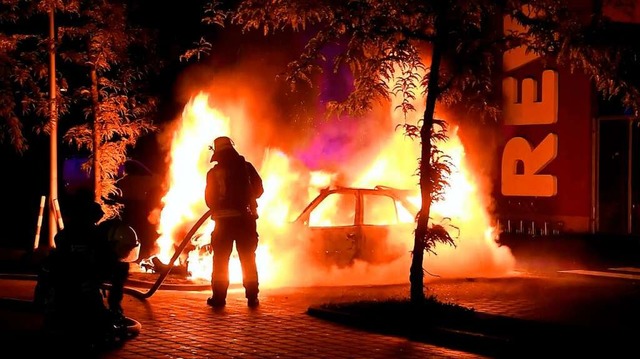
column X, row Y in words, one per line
column 118, row 277
column 243, row 231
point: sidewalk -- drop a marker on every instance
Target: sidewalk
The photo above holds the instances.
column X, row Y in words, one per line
column 291, row 323
column 556, row 306
column 565, row 315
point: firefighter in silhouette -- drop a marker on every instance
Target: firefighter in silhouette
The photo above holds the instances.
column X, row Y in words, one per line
column 232, row 188
column 86, row 256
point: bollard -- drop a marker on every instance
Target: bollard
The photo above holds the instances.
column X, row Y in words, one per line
column 56, row 205
column 36, row 241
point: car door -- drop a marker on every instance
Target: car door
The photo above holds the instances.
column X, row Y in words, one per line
column 387, row 228
column 331, row 224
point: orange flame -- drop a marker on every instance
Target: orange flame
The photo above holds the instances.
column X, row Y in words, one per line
column 289, row 187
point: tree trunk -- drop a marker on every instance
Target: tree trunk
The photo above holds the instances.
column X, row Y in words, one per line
column 95, row 105
column 416, row 276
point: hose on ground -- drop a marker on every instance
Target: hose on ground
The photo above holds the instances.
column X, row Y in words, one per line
column 187, row 238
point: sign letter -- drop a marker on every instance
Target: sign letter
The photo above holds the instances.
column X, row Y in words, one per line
column 528, row 182
column 531, row 110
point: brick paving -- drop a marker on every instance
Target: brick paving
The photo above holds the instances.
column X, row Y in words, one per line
column 178, row 324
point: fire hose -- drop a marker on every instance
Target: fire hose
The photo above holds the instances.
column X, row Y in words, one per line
column 163, row 275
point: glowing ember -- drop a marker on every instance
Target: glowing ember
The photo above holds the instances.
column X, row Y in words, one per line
column 290, row 186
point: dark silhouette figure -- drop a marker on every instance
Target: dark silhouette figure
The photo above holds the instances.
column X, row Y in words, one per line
column 233, row 186
column 86, row 256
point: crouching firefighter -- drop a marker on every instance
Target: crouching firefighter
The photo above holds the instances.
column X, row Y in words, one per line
column 70, row 281
column 232, row 188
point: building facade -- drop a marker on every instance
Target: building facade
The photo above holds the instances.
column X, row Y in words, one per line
column 568, row 161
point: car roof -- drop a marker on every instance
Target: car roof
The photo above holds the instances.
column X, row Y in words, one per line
column 379, row 189
column 398, row 194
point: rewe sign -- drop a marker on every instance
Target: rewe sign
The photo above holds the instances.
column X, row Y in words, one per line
column 548, row 158
column 522, row 161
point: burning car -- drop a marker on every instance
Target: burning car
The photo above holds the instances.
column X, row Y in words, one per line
column 345, row 227
column 340, row 226
column 345, row 224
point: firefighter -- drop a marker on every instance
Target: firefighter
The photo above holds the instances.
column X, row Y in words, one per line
column 70, row 279
column 232, row 188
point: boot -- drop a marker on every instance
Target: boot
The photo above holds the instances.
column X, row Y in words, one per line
column 253, row 302
column 219, row 297
column 251, row 293
column 216, row 303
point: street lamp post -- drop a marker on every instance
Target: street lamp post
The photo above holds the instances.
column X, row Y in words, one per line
column 53, row 141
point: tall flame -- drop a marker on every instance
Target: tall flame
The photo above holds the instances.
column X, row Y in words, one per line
column 290, row 186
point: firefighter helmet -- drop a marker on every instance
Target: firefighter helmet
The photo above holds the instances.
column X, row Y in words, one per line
column 124, row 241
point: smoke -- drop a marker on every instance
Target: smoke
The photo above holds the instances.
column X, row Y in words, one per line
column 244, row 78
column 290, row 140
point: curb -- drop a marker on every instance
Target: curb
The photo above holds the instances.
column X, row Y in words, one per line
column 19, row 276
column 130, row 282
column 494, row 336
column 453, row 338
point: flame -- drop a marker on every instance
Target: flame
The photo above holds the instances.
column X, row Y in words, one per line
column 290, row 186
